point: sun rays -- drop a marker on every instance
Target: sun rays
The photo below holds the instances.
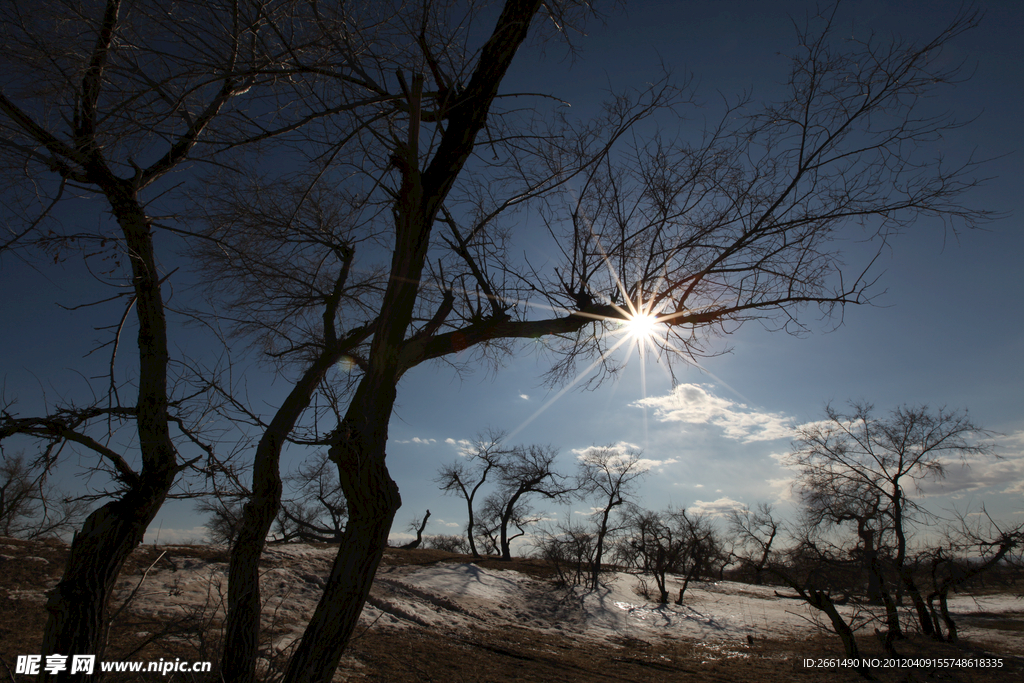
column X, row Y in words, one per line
column 641, row 326
column 639, row 323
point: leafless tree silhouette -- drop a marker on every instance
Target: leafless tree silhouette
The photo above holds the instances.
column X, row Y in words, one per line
column 756, row 531
column 856, row 468
column 465, row 477
column 390, row 234
column 611, row 475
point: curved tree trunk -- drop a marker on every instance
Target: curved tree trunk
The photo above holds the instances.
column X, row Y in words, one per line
column 469, row 533
column 412, row 545
column 78, row 604
column 595, row 570
column 241, row 632
column 951, row 629
column 358, row 445
column 923, row 616
column 506, row 519
column 373, row 500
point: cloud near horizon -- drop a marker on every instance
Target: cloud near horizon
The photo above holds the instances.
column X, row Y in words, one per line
column 197, row 534
column 695, row 404
column 1003, row 475
column 716, row 508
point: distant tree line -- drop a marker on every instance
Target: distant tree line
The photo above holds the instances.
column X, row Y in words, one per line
column 863, row 538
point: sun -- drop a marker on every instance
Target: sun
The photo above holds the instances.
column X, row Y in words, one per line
column 641, row 325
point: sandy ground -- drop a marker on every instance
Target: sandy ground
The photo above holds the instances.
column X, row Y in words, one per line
column 434, row 616
column 461, row 596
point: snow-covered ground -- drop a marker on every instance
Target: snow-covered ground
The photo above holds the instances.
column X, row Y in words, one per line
column 454, row 595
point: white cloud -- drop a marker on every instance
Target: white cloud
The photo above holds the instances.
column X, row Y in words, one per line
column 454, row 525
column 698, row 486
column 1003, row 475
column 418, row 440
column 465, row 447
column 621, row 448
column 716, row 508
column 400, row 538
column 524, row 397
column 621, row 451
column 782, row 489
column 694, row 404
column 644, row 464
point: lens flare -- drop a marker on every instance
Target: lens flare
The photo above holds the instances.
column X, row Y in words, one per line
column 641, row 326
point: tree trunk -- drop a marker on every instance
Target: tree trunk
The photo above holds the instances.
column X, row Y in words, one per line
column 920, row 606
column 78, row 604
column 892, row 620
column 411, row 545
column 241, row 631
column 595, row 570
column 469, row 533
column 691, row 574
column 506, row 519
column 877, row 581
column 901, row 550
column 936, row 625
column 821, row 601
column 951, row 635
column 659, row 576
column 373, row 500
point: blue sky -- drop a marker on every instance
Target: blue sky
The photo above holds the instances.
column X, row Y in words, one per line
column 948, row 331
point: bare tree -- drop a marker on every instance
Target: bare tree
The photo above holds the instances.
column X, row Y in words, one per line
column 316, row 511
column 755, row 532
column 611, row 475
column 805, row 567
column 417, row 525
column 19, row 500
column 670, row 542
column 969, row 550
column 102, row 100
column 448, row 543
column 830, row 502
column 748, row 224
column 857, row 467
column 702, row 547
column 467, row 476
column 223, row 517
column 568, row 548
column 31, row 507
column 527, row 470
column 394, row 245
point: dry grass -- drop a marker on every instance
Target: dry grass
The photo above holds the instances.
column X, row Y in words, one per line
column 417, row 655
